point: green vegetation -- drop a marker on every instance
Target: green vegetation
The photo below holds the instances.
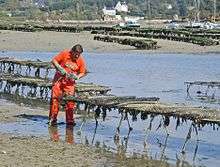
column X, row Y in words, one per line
column 92, row 9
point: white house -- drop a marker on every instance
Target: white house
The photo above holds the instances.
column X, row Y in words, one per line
column 109, row 11
column 121, row 7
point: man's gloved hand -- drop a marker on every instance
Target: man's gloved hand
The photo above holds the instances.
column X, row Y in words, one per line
column 72, row 76
column 60, row 69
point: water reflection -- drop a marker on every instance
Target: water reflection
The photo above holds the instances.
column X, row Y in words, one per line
column 161, row 75
column 55, row 136
column 153, row 138
column 205, row 92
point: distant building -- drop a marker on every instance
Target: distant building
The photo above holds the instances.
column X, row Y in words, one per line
column 109, row 11
column 121, row 7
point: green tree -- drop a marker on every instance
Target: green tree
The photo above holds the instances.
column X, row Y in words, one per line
column 12, row 5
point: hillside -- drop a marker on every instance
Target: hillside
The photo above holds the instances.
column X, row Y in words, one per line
column 92, row 9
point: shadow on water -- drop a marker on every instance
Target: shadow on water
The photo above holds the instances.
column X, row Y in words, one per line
column 39, row 118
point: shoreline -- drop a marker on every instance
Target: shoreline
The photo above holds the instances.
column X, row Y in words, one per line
column 118, row 52
column 47, row 41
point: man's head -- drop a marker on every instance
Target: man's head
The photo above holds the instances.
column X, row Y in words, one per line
column 76, row 51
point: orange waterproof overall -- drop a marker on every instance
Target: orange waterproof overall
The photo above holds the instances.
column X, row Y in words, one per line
column 65, row 86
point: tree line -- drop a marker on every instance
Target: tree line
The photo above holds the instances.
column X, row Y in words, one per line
column 92, row 9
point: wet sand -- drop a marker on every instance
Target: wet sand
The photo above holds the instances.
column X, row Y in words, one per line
column 35, row 151
column 24, row 151
column 56, row 41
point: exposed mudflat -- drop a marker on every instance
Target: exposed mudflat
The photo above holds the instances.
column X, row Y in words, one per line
column 56, row 41
column 33, row 151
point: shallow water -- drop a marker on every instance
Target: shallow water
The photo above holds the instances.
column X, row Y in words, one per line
column 143, row 140
column 161, row 75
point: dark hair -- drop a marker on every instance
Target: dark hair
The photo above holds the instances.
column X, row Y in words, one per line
column 77, row 48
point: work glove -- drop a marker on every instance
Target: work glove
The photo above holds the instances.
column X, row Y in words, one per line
column 72, row 76
column 60, row 69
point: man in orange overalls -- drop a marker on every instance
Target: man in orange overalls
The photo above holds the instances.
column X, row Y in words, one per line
column 70, row 66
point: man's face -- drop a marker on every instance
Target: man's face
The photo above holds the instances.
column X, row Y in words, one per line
column 75, row 55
